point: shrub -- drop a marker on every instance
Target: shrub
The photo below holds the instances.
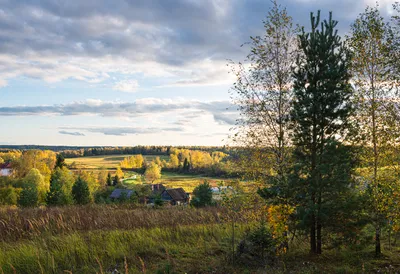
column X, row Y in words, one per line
column 257, row 248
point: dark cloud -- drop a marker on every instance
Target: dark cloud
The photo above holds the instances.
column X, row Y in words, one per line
column 220, row 110
column 57, row 40
column 76, row 133
column 123, row 131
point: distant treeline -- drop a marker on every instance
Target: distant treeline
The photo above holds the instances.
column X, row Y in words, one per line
column 76, row 151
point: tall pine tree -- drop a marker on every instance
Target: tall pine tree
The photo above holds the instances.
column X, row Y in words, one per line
column 320, row 113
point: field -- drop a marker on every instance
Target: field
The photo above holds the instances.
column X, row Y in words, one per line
column 176, row 180
column 108, row 161
column 172, row 180
column 102, row 239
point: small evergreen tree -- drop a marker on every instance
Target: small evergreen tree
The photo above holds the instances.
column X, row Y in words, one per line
column 116, row 180
column 80, row 192
column 60, row 162
column 61, row 182
column 109, row 180
column 202, row 195
column 29, row 196
column 186, row 166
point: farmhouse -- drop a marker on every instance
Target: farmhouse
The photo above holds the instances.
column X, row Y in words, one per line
column 175, row 196
column 121, row 193
column 5, row 169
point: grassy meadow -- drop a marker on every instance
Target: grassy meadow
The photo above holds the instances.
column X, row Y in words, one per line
column 170, row 179
column 103, row 239
column 107, row 161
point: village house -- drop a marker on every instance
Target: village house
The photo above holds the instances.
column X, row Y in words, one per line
column 175, row 196
column 121, row 193
column 5, row 169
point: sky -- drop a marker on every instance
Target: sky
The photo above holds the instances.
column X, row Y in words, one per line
column 132, row 72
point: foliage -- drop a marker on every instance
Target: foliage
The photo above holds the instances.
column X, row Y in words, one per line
column 263, row 93
column 153, row 172
column 102, row 177
column 80, row 192
column 90, row 178
column 376, row 82
column 135, row 161
column 61, row 183
column 257, row 247
column 109, row 180
column 115, row 180
column 321, row 108
column 60, row 161
column 9, row 195
column 42, row 160
column 30, row 194
column 202, row 195
column 119, row 173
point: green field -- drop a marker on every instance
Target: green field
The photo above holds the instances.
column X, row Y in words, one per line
column 108, row 161
column 170, row 179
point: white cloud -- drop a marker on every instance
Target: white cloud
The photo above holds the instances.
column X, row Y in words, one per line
column 127, row 86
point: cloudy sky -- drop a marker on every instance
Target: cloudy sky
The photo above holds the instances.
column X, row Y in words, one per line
column 131, row 72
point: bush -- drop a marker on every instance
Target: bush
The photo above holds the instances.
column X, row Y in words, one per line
column 202, row 195
column 257, row 248
column 8, row 196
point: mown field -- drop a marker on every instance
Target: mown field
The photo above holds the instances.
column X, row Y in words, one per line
column 108, row 161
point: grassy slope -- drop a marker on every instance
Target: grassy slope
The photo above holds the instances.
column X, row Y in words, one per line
column 192, row 249
column 181, row 249
column 96, row 239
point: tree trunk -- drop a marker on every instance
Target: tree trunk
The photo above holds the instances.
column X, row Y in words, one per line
column 319, row 227
column 378, row 241
column 313, row 246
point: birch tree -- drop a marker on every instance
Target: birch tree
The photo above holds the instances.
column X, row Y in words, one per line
column 371, row 42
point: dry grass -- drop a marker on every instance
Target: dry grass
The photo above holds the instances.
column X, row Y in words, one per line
column 17, row 223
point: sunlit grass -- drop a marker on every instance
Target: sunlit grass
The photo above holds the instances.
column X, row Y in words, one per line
column 108, row 161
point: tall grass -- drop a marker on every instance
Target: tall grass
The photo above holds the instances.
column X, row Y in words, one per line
column 194, row 249
column 18, row 224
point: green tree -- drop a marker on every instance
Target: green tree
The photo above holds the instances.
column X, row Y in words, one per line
column 34, row 183
column 186, row 166
column 202, row 195
column 61, row 183
column 8, row 196
column 80, row 192
column 264, row 91
column 375, row 80
column 32, row 189
column 115, row 180
column 153, row 172
column 102, row 177
column 109, row 180
column 29, row 196
column 320, row 114
column 173, row 161
column 119, row 172
column 60, row 161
